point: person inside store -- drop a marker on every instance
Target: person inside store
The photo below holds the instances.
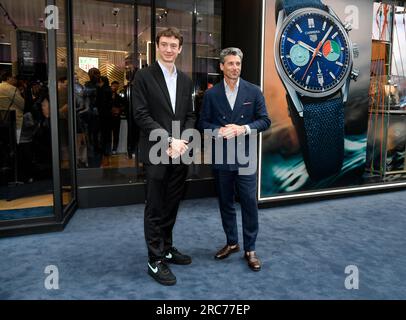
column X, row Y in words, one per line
column 132, row 128
column 11, row 99
column 118, row 105
column 42, row 144
column 27, row 166
column 82, row 113
column 163, row 94
column 63, row 114
column 91, row 101
column 235, row 107
column 105, row 105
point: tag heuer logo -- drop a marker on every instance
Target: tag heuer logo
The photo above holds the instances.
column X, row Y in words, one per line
column 313, row 37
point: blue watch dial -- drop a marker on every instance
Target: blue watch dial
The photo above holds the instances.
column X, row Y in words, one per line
column 314, row 51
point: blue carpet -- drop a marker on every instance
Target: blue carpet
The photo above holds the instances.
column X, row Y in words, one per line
column 26, row 213
column 304, row 248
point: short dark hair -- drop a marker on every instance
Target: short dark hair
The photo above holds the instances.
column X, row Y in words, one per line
column 92, row 71
column 6, row 75
column 115, row 82
column 170, row 32
column 105, row 80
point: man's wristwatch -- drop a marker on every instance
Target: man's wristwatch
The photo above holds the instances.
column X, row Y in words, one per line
column 314, row 59
column 170, row 140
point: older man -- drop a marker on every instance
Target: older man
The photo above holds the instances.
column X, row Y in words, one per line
column 235, row 107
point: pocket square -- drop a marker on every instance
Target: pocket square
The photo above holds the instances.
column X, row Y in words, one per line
column 247, row 103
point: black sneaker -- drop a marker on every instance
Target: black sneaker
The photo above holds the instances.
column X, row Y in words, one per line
column 175, row 257
column 161, row 273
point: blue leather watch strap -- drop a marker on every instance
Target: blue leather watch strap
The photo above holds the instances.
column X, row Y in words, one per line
column 324, row 133
column 321, row 129
column 292, row 5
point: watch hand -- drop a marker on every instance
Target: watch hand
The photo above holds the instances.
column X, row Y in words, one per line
column 306, row 46
column 316, row 51
column 318, row 66
column 326, row 36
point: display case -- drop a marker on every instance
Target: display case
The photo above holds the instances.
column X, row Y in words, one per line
column 387, row 111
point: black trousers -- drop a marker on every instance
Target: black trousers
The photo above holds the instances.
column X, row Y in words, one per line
column 115, row 127
column 106, row 127
column 164, row 190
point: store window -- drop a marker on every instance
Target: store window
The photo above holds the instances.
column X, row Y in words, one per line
column 387, row 124
column 105, row 59
column 116, row 39
column 200, row 24
column 26, row 181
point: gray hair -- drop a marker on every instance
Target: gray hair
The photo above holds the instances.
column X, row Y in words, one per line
column 230, row 51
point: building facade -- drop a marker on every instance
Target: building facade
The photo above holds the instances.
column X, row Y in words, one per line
column 64, row 155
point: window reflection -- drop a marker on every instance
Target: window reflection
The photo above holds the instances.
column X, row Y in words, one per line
column 387, row 123
column 117, row 46
column 104, row 34
column 26, row 188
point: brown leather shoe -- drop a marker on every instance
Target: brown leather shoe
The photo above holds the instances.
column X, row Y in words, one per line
column 253, row 261
column 226, row 251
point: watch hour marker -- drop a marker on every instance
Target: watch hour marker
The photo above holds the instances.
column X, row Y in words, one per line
column 332, row 75
column 299, row 28
column 311, row 23
column 334, row 35
column 296, row 70
column 291, row 41
column 308, row 80
column 339, row 63
column 324, row 25
column 320, row 79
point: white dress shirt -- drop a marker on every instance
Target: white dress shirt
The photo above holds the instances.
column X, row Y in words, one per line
column 171, row 83
column 232, row 97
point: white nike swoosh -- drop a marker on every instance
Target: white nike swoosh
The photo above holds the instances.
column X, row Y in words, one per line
column 168, row 256
column 154, row 270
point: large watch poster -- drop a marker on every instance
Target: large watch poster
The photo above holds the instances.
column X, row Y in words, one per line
column 317, row 62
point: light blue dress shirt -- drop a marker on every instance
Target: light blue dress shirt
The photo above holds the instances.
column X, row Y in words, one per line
column 232, row 97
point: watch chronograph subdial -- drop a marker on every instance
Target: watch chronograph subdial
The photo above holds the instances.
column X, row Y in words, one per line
column 299, row 55
column 331, row 50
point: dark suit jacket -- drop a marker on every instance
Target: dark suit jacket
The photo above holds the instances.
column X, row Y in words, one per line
column 152, row 107
column 249, row 109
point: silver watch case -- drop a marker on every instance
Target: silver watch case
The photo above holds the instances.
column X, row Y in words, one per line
column 294, row 91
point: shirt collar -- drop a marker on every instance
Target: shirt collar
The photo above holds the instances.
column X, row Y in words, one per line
column 166, row 71
column 237, row 85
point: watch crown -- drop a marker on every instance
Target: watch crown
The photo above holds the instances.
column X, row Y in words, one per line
column 354, row 74
column 348, row 27
column 355, row 50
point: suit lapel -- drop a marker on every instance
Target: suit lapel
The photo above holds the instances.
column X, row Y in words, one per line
column 238, row 106
column 159, row 77
column 179, row 91
column 224, row 100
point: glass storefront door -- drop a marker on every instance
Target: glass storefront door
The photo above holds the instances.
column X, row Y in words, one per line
column 107, row 36
column 34, row 176
column 112, row 40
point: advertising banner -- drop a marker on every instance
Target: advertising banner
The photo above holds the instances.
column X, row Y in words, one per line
column 317, row 62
